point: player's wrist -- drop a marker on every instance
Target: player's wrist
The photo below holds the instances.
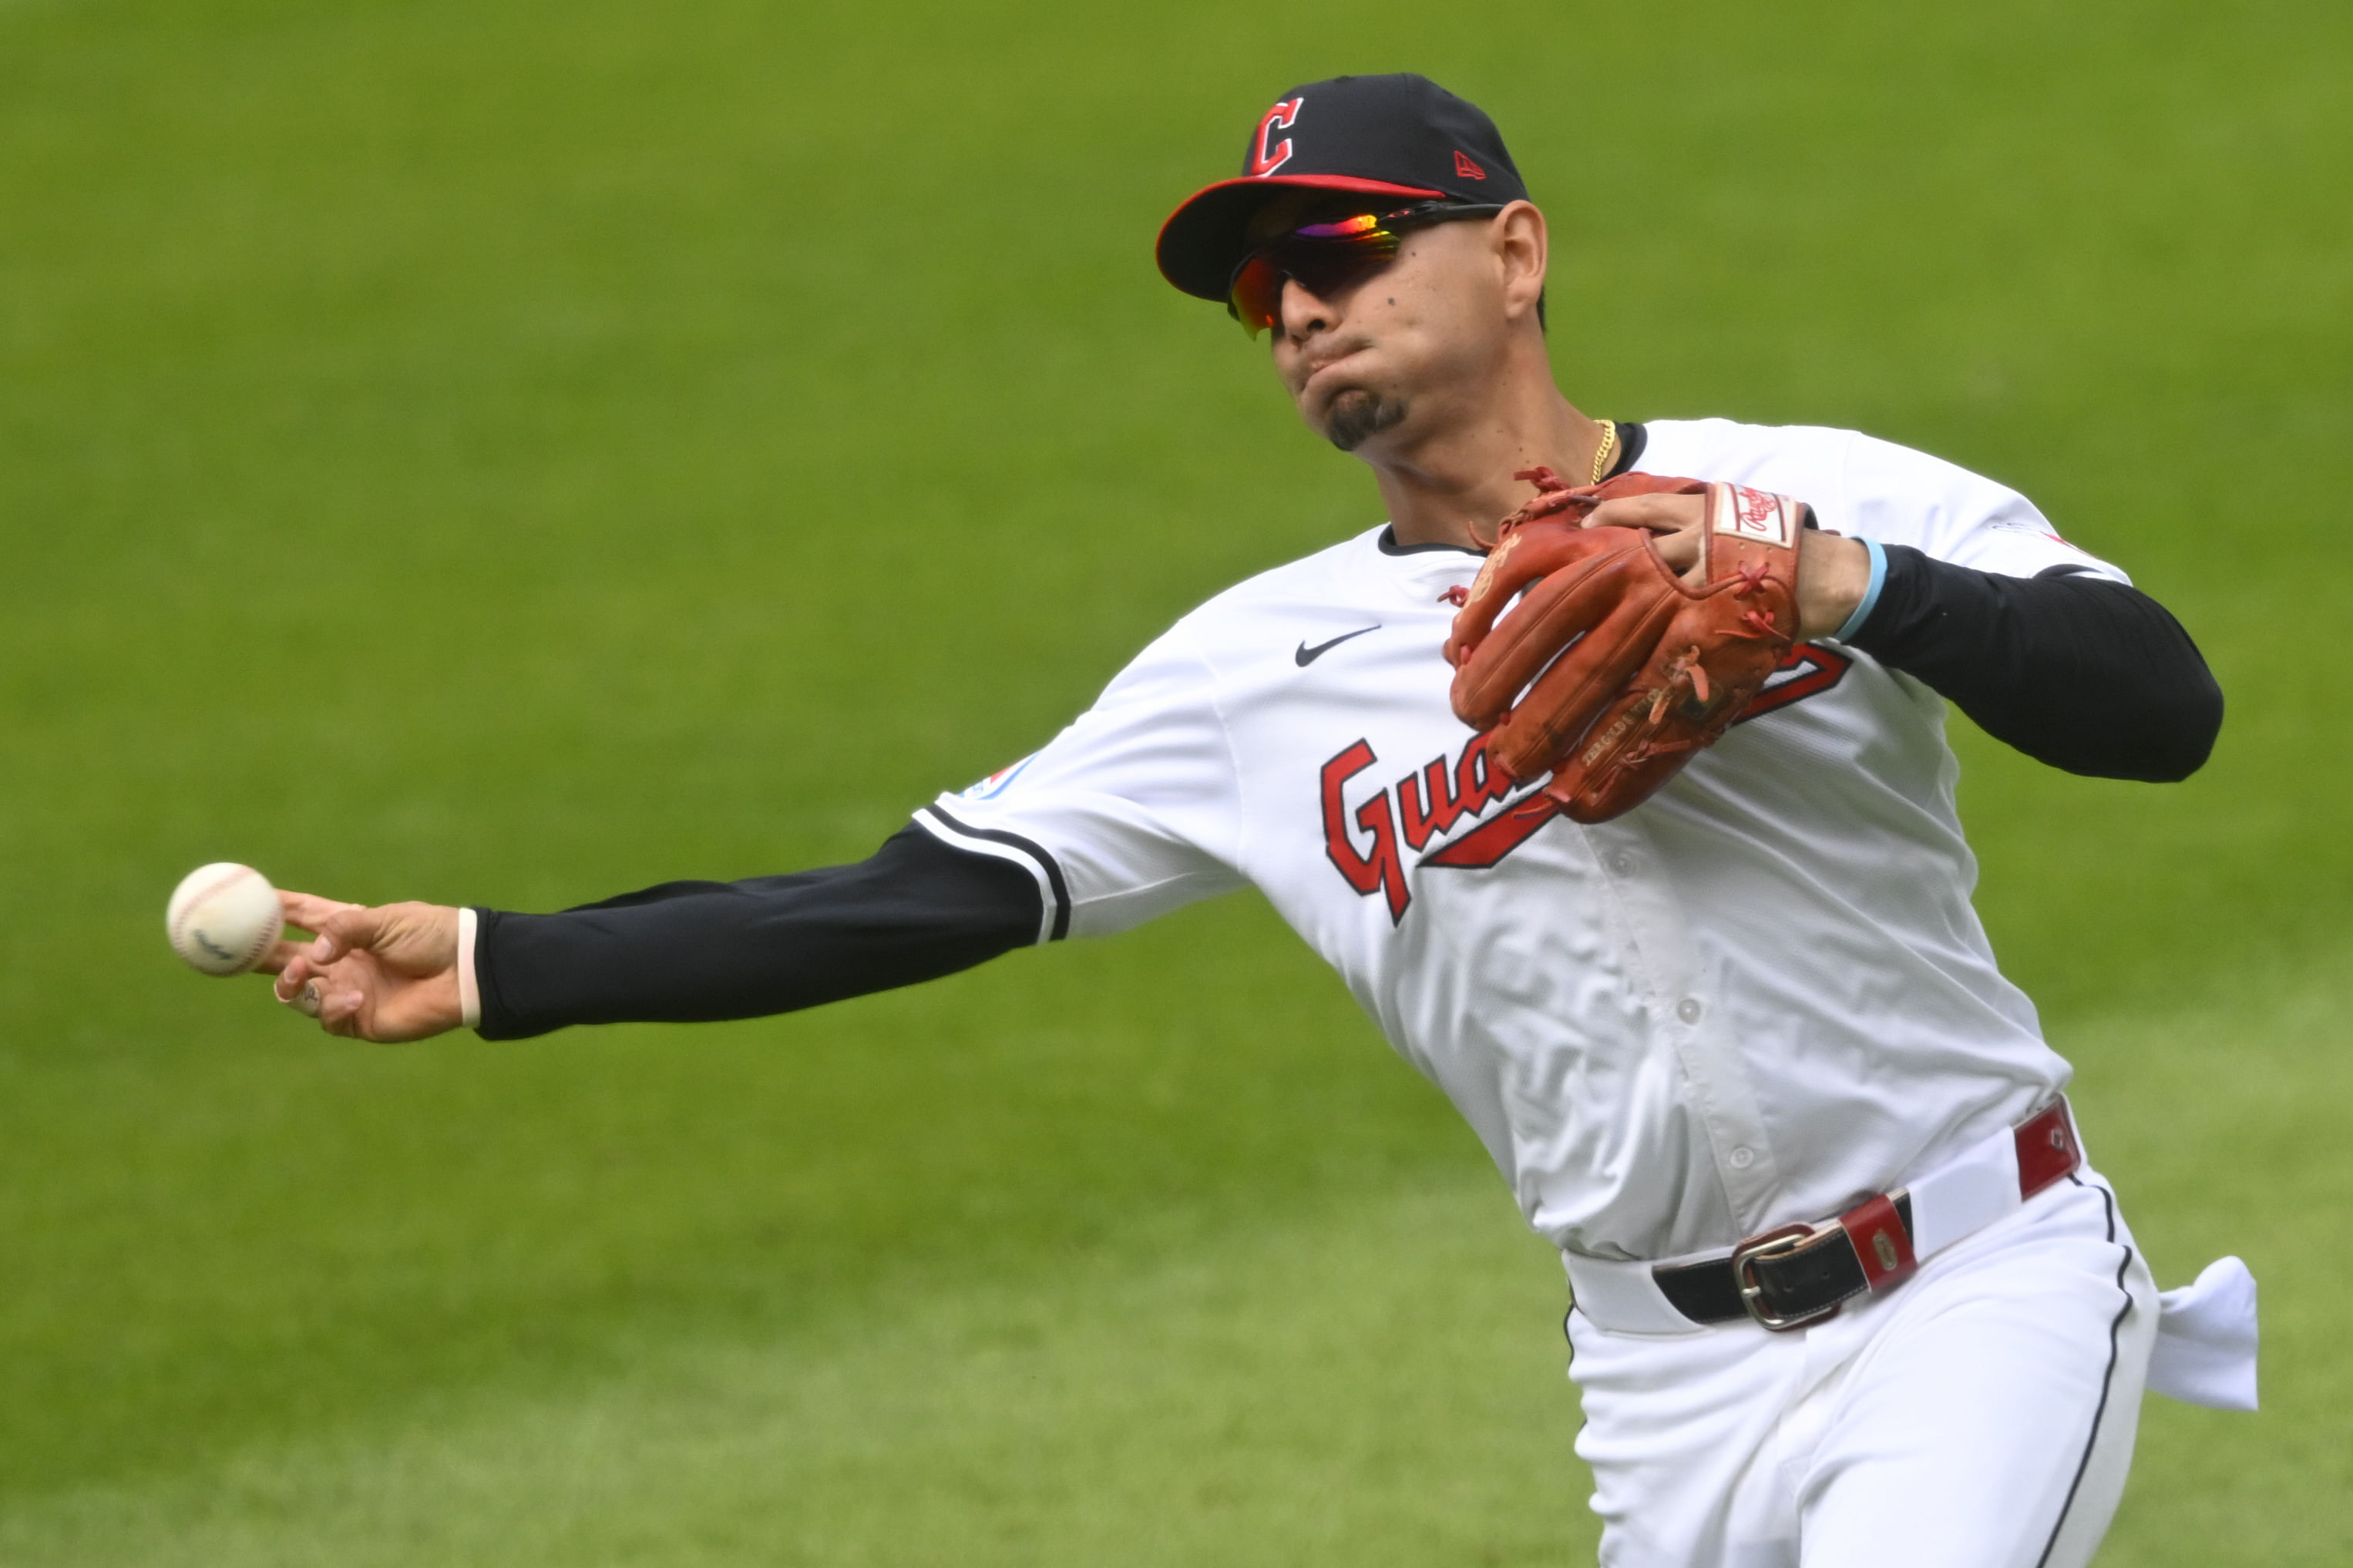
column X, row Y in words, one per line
column 1834, row 580
column 444, row 1008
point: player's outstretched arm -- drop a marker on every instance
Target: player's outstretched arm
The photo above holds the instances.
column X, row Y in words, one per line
column 682, row 953
column 689, row 952
column 384, row 973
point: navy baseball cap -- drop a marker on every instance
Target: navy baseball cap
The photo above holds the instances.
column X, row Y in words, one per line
column 1399, row 137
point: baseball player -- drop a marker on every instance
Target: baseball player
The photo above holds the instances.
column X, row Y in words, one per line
column 1845, row 1290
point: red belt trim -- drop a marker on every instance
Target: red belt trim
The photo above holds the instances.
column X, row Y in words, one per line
column 2047, row 1150
column 1881, row 1241
column 1877, row 1232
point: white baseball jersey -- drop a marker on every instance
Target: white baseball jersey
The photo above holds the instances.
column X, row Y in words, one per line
column 1747, row 1001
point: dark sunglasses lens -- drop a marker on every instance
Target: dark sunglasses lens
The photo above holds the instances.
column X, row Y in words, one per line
column 1324, row 266
column 1257, row 297
column 1325, row 258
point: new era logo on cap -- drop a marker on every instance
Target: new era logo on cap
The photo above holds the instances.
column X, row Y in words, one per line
column 1396, row 139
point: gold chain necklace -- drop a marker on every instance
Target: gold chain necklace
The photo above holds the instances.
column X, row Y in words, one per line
column 1608, row 445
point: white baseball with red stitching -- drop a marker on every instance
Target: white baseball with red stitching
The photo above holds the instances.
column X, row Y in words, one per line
column 223, row 917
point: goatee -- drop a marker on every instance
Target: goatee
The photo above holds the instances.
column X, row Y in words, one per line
column 1358, row 416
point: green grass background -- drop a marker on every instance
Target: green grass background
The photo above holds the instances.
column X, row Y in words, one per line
column 509, row 452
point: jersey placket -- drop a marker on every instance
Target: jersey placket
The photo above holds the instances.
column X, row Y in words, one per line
column 1715, row 1073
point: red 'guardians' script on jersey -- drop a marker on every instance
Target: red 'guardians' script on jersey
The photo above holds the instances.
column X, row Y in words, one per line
column 1408, row 815
column 1426, row 805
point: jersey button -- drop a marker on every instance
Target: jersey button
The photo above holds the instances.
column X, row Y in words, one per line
column 1621, row 864
column 1688, row 1009
column 1742, row 1158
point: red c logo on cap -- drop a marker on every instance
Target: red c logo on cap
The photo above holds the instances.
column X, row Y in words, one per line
column 1264, row 162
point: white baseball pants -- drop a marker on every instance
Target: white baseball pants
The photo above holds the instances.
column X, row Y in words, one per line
column 1980, row 1416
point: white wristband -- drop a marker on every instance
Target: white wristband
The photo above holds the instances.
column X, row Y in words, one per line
column 470, row 996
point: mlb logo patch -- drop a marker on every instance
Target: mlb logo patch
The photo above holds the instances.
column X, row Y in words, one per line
column 995, row 784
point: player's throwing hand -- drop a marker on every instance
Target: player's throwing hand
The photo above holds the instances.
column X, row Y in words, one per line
column 386, row 974
column 1833, row 573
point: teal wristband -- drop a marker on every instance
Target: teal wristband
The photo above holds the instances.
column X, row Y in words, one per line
column 1870, row 593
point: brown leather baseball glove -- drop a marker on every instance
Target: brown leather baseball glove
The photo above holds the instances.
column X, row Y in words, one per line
column 1612, row 672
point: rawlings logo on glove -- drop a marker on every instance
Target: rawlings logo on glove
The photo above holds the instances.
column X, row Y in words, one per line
column 1612, row 672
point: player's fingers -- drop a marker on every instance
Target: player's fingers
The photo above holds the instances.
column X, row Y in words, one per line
column 339, row 1013
column 352, row 926
column 308, row 911
column 294, row 973
column 1657, row 513
column 1679, row 550
column 282, row 953
column 1677, row 523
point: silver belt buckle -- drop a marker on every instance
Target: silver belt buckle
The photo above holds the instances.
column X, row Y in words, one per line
column 1775, row 1243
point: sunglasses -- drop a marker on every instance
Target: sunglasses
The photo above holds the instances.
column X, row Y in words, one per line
column 1323, row 257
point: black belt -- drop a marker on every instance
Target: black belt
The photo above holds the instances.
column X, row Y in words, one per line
column 1802, row 1274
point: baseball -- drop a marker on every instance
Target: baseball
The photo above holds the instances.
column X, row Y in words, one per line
column 223, row 918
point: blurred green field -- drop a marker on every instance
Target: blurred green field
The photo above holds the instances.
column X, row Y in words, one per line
column 509, row 453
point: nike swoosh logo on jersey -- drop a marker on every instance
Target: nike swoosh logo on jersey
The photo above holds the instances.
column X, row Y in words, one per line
column 1307, row 656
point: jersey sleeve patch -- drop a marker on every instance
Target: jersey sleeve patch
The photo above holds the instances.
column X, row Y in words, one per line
column 997, row 783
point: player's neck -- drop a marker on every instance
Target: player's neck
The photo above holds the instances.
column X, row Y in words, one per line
column 1452, row 485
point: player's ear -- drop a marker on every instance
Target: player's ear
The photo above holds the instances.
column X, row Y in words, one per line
column 1522, row 249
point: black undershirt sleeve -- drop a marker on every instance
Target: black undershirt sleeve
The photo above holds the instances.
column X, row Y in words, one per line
column 2077, row 671
column 692, row 951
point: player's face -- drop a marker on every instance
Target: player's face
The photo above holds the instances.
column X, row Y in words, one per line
column 1383, row 355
